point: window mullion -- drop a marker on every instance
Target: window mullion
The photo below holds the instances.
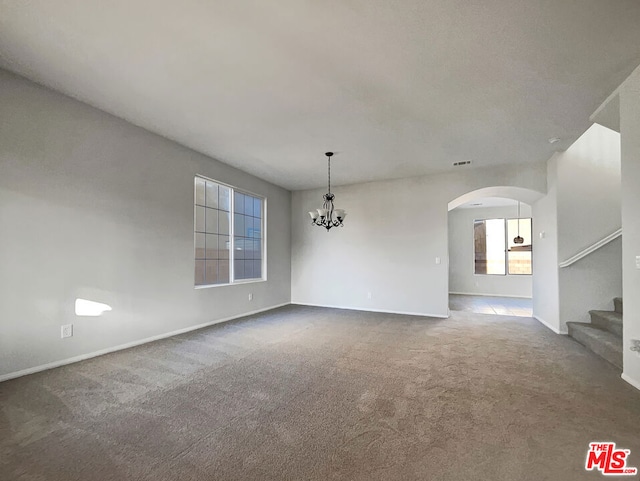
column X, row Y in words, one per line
column 232, row 236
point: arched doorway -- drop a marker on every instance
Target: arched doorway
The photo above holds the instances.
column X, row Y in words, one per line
column 491, row 248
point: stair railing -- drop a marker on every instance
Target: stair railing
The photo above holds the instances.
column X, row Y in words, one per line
column 593, row 247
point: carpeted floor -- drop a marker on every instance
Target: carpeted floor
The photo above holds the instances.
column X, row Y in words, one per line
column 303, row 393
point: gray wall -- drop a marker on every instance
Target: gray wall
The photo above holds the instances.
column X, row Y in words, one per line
column 461, row 255
column 94, row 207
column 394, row 231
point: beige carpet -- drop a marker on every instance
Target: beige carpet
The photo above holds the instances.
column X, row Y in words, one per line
column 306, row 393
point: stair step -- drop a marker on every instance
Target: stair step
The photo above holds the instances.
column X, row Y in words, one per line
column 608, row 320
column 605, row 344
column 617, row 303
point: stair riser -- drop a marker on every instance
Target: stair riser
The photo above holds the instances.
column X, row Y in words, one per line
column 604, row 351
column 604, row 323
column 617, row 303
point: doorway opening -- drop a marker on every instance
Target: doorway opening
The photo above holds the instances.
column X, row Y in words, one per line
column 491, row 251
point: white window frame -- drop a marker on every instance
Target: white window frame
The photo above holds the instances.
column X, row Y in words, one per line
column 263, row 239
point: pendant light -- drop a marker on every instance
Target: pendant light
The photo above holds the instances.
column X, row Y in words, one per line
column 518, row 239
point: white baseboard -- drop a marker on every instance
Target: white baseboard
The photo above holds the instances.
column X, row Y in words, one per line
column 489, row 295
column 404, row 313
column 631, row 381
column 82, row 357
column 546, row 324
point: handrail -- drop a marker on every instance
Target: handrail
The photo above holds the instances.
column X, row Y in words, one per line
column 591, row 248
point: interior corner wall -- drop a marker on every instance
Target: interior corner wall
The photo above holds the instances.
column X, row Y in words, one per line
column 588, row 206
column 462, row 279
column 630, row 138
column 94, row 207
column 393, row 234
column 546, row 301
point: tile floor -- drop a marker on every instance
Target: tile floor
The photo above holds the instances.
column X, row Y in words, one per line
column 504, row 306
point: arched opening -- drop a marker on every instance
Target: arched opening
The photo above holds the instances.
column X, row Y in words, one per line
column 491, row 249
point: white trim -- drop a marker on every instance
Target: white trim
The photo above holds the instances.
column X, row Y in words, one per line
column 489, row 295
column 631, row 381
column 593, row 247
column 404, row 313
column 546, row 324
column 82, row 357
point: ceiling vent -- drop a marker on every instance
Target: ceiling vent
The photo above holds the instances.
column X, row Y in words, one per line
column 461, row 163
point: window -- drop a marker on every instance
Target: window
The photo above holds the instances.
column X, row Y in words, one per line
column 495, row 251
column 229, row 241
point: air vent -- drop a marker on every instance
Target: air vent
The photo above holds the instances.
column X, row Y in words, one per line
column 461, row 163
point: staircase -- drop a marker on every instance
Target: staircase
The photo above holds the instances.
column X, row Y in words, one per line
column 603, row 335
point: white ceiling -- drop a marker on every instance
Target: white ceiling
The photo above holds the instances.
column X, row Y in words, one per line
column 398, row 88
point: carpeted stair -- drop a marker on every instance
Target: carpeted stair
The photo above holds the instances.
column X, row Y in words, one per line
column 603, row 335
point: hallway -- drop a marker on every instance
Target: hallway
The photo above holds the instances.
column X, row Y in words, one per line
column 502, row 306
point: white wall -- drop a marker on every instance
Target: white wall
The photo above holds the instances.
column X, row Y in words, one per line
column 393, row 233
column 581, row 207
column 546, row 301
column 588, row 199
column 630, row 134
column 94, row 207
column 462, row 279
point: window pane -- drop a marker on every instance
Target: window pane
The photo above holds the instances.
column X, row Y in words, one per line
column 238, row 269
column 200, row 191
column 223, row 272
column 224, row 194
column 257, row 248
column 199, row 273
column 489, row 246
column 248, row 269
column 257, row 207
column 200, row 246
column 248, row 205
column 238, row 200
column 200, row 219
column 212, row 246
column 519, row 255
column 238, row 224
column 211, row 272
column 257, row 226
column 239, row 248
column 212, row 194
column 223, row 247
column 257, row 269
column 212, row 221
column 223, row 222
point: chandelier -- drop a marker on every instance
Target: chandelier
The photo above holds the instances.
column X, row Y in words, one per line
column 324, row 217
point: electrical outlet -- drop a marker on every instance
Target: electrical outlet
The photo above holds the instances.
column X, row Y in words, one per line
column 637, row 262
column 369, row 295
column 438, row 260
column 635, row 345
column 66, row 330
column 251, row 296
